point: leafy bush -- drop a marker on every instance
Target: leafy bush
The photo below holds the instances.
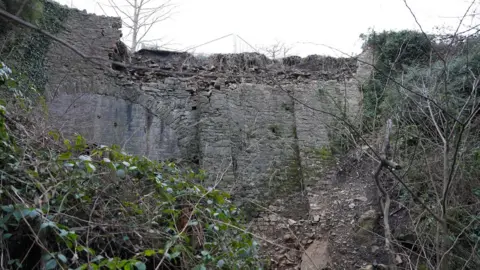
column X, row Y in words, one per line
column 67, row 204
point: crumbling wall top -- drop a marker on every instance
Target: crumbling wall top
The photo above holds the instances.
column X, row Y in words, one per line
column 243, row 65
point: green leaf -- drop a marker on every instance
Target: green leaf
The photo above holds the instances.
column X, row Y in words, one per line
column 98, row 258
column 46, row 257
column 65, row 156
column 51, row 264
column 174, row 255
column 121, row 173
column 7, row 235
column 149, row 252
column 192, row 223
column 62, row 258
column 80, row 143
column 128, row 266
column 8, row 208
column 219, row 198
column 220, row 263
column 18, row 215
column 32, row 213
column 67, row 143
column 140, row 266
column 55, row 135
column 200, row 267
column 90, row 168
column 48, row 224
column 63, row 233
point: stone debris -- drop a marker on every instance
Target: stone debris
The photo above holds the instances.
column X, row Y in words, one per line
column 316, row 256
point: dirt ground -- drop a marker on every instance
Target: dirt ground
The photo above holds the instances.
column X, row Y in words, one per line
column 330, row 236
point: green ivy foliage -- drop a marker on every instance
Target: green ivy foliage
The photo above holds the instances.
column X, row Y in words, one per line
column 96, row 207
column 392, row 52
column 25, row 49
column 31, row 11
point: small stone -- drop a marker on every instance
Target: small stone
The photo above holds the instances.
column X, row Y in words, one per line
column 273, row 217
column 362, row 199
column 278, row 258
column 398, row 259
column 291, row 222
column 351, row 206
column 288, row 237
column 317, row 256
column 316, row 218
column 375, row 248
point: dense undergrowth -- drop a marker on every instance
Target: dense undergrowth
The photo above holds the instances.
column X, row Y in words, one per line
column 70, row 205
column 428, row 85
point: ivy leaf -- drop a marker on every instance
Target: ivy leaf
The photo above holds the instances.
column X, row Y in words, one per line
column 90, row 167
column 47, row 224
column 140, row 266
column 46, row 257
column 85, row 158
column 30, row 213
column 67, row 144
column 55, row 135
column 7, row 208
column 128, row 266
column 121, row 173
column 192, row 223
column 62, row 258
column 220, row 263
column 65, row 156
column 174, row 255
column 98, row 258
column 200, row 267
column 51, row 264
column 149, row 252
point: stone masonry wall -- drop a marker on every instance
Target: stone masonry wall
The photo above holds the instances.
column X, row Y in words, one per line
column 253, row 124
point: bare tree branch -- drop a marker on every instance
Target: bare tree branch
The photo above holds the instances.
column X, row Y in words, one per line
column 139, row 16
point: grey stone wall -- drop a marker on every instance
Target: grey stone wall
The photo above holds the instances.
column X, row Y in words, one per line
column 253, row 124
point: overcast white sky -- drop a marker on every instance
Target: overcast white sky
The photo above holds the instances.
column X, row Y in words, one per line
column 301, row 23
